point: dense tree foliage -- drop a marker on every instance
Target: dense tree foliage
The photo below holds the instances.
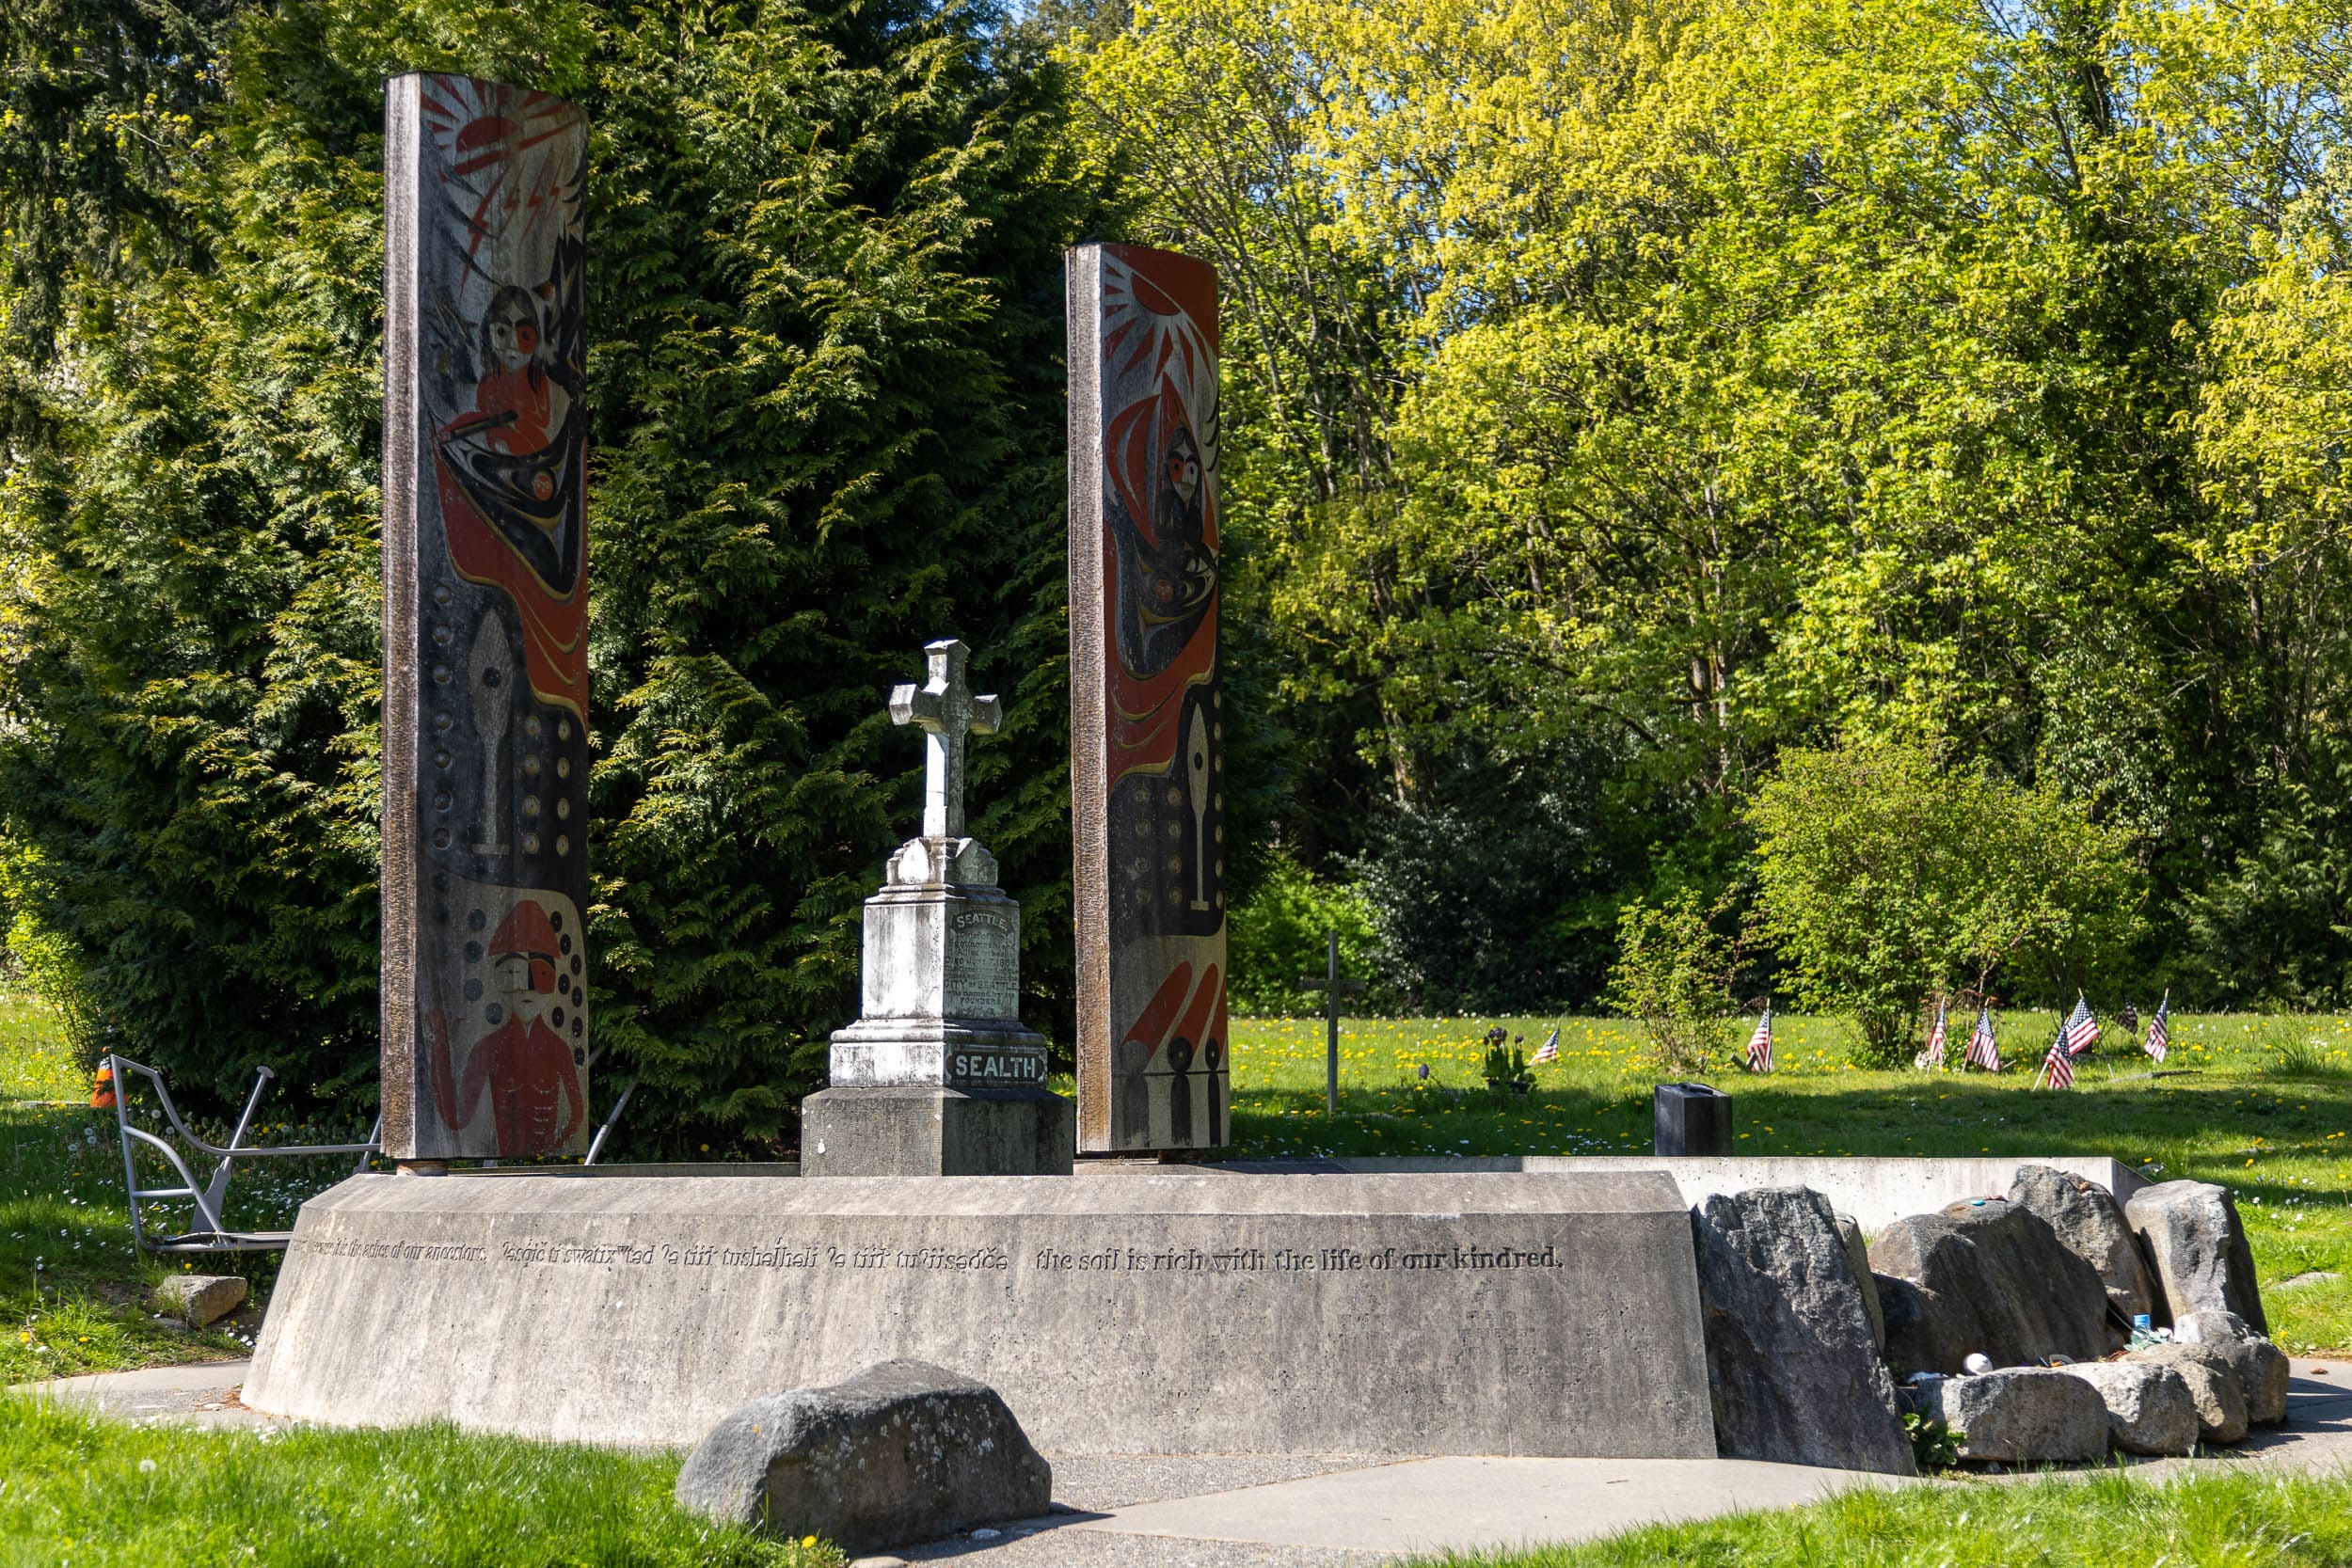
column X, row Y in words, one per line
column 1713, row 376
column 826, row 287
column 1626, row 402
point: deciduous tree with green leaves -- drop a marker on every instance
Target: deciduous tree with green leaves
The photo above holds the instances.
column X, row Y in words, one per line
column 1886, row 874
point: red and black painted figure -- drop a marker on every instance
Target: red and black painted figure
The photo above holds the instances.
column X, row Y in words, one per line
column 523, row 1063
column 1147, row 727
column 485, row 591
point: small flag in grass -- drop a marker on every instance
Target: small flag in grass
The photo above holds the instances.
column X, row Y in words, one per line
column 1760, row 1043
column 1933, row 1055
column 2160, row 1028
column 1981, row 1050
column 2058, row 1066
column 2081, row 1031
column 1550, row 1049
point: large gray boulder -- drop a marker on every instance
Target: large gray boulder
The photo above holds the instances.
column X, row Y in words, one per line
column 2091, row 1222
column 2150, row 1409
column 2025, row 1416
column 1792, row 1368
column 2198, row 1249
column 2213, row 1387
column 2261, row 1366
column 1858, row 1258
column 1994, row 1280
column 901, row 1452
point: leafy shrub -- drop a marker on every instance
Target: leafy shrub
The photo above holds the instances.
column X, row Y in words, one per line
column 1674, row 973
column 1933, row 1445
column 1280, row 932
column 1884, row 875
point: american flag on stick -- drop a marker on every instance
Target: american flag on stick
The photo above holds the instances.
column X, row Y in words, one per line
column 2160, row 1028
column 1981, row 1050
column 1933, row 1055
column 2081, row 1031
column 1550, row 1049
column 1760, row 1043
column 2058, row 1065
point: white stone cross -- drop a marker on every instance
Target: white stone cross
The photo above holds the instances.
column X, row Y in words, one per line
column 945, row 708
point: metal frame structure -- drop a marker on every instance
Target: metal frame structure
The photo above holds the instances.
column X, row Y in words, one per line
column 213, row 1235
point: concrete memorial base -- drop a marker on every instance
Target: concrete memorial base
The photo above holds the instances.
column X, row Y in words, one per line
column 1178, row 1313
column 923, row 1129
column 1875, row 1190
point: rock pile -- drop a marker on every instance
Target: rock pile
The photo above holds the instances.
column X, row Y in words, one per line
column 2043, row 1283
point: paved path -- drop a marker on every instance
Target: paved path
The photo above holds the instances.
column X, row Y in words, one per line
column 1336, row 1510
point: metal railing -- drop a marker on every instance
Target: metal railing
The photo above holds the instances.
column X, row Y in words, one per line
column 211, row 1233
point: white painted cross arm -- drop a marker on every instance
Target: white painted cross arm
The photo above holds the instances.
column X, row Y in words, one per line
column 946, row 709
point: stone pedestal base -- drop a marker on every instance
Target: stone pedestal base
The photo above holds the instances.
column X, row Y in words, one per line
column 1148, row 1310
column 920, row 1129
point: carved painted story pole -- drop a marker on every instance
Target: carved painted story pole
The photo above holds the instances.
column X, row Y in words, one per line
column 485, row 614
column 1147, row 721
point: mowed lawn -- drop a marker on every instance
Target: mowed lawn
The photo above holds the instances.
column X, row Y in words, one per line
column 2263, row 1104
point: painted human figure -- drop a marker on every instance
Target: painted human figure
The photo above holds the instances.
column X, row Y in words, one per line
column 523, row 1062
column 1176, row 510
column 1174, row 577
column 513, row 399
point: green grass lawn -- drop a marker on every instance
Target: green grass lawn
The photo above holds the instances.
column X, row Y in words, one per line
column 2263, row 1104
column 74, row 1293
column 77, row 1490
column 2206, row 1520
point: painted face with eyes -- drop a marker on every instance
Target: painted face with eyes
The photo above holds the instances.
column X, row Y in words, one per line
column 514, row 339
column 1184, row 470
column 518, row 979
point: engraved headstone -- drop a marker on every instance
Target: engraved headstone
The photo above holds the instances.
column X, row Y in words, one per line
column 485, row 607
column 1146, row 722
column 938, row 1076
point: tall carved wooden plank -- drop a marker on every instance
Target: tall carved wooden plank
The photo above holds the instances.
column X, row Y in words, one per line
column 486, row 615
column 1147, row 724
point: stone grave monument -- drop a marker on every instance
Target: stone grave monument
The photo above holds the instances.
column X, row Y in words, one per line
column 1146, row 722
column 1419, row 1307
column 938, row 1077
column 486, row 612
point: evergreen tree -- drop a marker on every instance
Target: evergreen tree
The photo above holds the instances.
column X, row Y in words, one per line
column 825, row 379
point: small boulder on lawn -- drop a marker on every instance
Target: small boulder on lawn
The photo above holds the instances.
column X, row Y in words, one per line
column 901, row 1452
column 1792, row 1366
column 2091, row 1222
column 2150, row 1409
column 2213, row 1387
column 2261, row 1365
column 201, row 1299
column 1994, row 1280
column 2198, row 1247
column 2025, row 1416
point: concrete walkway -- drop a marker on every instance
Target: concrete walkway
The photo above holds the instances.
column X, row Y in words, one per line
column 1336, row 1510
